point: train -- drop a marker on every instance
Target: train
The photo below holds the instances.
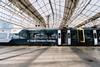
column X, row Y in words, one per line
column 55, row 37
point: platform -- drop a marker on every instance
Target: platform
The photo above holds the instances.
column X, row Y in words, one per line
column 55, row 56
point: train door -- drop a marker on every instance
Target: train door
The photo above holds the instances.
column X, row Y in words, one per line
column 68, row 37
column 98, row 36
column 59, row 37
column 74, row 37
column 95, row 37
column 63, row 37
column 89, row 37
column 81, row 36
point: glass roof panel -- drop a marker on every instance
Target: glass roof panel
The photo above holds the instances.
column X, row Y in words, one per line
column 92, row 7
column 52, row 13
column 45, row 9
column 12, row 14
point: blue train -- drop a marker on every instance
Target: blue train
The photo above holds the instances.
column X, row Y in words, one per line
column 64, row 37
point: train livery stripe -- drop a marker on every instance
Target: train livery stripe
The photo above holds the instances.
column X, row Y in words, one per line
column 59, row 37
column 95, row 37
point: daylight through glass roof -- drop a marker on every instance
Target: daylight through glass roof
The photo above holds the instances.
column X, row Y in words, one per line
column 53, row 15
column 11, row 14
column 54, row 12
column 85, row 10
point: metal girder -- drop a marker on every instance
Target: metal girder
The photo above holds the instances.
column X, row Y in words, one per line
column 27, row 7
column 12, row 17
column 70, row 6
column 52, row 10
column 93, row 18
column 51, row 7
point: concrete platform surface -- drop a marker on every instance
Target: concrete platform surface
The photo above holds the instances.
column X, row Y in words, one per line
column 54, row 56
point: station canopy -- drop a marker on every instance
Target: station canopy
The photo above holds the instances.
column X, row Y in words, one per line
column 51, row 13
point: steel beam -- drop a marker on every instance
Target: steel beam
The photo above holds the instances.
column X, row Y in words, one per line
column 29, row 9
column 93, row 18
column 70, row 6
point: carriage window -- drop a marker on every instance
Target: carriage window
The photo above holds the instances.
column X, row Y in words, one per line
column 44, row 34
column 89, row 36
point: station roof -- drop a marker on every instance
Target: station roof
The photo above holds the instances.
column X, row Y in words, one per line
column 51, row 13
